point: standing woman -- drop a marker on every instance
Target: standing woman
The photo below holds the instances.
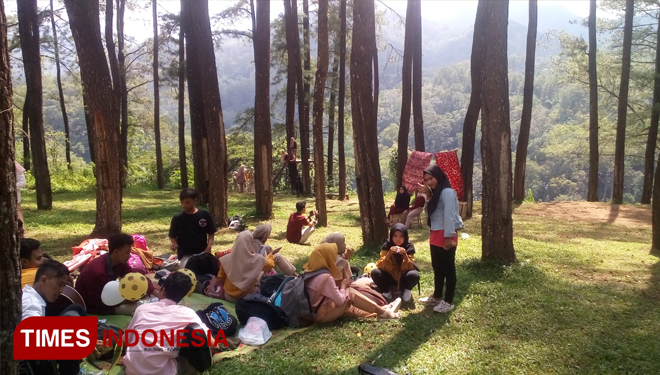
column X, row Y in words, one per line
column 444, row 219
column 20, row 183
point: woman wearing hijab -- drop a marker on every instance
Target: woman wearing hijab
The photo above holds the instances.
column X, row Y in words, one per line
column 401, row 203
column 260, row 236
column 396, row 267
column 241, row 269
column 242, row 176
column 344, row 253
column 331, row 295
column 444, row 219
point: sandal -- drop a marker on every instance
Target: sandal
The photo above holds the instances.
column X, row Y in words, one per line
column 389, row 315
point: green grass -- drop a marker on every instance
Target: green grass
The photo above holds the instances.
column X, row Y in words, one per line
column 584, row 298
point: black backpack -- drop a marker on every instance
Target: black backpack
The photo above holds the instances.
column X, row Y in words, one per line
column 259, row 306
column 270, row 283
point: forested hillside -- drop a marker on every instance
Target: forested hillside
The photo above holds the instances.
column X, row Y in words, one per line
column 557, row 167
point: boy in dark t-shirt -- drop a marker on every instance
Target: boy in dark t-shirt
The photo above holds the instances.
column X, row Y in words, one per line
column 192, row 230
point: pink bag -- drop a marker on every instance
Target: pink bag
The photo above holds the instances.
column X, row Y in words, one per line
column 136, row 263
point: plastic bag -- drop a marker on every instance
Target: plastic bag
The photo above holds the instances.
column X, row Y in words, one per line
column 255, row 332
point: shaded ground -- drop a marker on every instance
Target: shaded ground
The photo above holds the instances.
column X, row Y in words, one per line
column 590, row 212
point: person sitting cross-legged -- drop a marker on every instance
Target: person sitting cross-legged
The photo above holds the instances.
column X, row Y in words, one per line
column 105, row 268
column 164, row 315
column 300, row 227
column 50, row 279
column 396, row 268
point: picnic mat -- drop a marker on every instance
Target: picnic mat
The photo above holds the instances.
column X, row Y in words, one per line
column 195, row 302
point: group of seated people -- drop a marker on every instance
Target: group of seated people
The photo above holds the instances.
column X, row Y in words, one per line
column 402, row 211
column 334, row 292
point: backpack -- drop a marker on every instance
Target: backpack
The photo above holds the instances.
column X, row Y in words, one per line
column 270, row 283
column 294, row 300
column 255, row 305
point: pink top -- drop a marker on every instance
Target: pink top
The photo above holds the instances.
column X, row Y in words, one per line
column 166, row 315
column 330, row 290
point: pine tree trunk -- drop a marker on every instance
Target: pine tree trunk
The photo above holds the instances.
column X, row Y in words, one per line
column 183, row 163
column 28, row 25
column 655, row 244
column 26, row 135
column 160, row 179
column 620, row 143
column 303, row 101
column 10, row 277
column 342, row 98
column 60, row 91
column 649, row 160
column 496, row 222
column 331, row 115
column 104, row 115
column 203, row 84
column 304, row 122
column 406, row 95
column 370, row 188
column 292, row 36
column 592, row 194
column 416, row 17
column 472, row 115
column 263, row 143
column 322, row 62
column 123, row 90
column 528, row 99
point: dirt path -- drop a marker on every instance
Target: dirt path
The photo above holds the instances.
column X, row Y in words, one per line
column 626, row 215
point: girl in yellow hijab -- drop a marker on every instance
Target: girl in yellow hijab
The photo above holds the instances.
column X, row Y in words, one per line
column 331, row 295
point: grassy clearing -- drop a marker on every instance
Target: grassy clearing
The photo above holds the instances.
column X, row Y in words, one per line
column 584, row 297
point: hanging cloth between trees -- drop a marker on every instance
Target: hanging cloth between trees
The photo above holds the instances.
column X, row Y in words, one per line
column 413, row 174
column 448, row 162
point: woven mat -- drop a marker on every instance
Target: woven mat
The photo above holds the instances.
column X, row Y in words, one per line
column 195, row 302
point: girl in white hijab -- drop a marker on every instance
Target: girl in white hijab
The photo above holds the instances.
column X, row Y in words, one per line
column 260, row 236
column 344, row 253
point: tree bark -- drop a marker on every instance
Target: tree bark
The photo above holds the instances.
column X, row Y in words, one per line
column 342, row 99
column 472, row 114
column 160, row 179
column 655, row 243
column 10, row 277
column 416, row 18
column 331, row 114
column 620, row 143
column 28, row 26
column 104, row 115
column 183, row 164
column 370, row 188
column 649, row 160
column 322, row 62
column 592, row 194
column 263, row 142
column 60, row 91
column 203, row 85
column 406, row 95
column 123, row 90
column 292, row 36
column 26, row 135
column 528, row 99
column 496, row 222
column 304, row 122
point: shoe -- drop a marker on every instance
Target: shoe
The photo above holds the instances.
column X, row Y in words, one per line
column 443, row 307
column 387, row 296
column 407, row 295
column 430, row 300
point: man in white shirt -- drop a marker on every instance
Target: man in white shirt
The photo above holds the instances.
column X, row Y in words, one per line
column 49, row 281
